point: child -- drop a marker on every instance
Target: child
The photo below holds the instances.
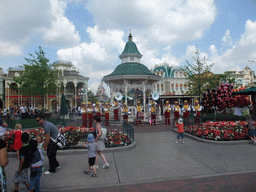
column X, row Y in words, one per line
column 40, row 142
column 17, row 141
column 37, row 158
column 180, row 126
column 21, row 175
column 92, row 147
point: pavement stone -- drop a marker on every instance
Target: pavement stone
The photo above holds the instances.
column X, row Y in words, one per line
column 156, row 158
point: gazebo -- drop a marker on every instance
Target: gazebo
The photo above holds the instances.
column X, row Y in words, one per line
column 131, row 75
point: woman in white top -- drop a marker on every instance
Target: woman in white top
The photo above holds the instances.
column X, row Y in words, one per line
column 100, row 142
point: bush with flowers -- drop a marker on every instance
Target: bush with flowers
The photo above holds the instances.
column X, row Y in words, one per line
column 221, row 131
column 117, row 138
column 73, row 135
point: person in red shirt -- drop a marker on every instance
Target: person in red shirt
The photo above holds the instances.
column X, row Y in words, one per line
column 180, row 126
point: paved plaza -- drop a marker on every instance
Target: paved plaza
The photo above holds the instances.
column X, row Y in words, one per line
column 156, row 163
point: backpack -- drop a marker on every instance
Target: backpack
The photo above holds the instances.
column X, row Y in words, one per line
column 60, row 140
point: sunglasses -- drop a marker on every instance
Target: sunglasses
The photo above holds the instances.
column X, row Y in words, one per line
column 38, row 120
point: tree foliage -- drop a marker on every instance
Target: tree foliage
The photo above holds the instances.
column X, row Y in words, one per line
column 38, row 78
column 63, row 106
column 92, row 97
column 200, row 77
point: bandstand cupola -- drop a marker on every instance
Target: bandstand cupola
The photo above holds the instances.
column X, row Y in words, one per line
column 131, row 52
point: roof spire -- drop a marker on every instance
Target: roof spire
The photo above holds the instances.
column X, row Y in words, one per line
column 130, row 35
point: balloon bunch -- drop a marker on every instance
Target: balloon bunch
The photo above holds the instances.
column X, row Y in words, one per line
column 222, row 98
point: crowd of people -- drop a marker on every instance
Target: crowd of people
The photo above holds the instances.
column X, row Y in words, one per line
column 30, row 153
column 21, row 112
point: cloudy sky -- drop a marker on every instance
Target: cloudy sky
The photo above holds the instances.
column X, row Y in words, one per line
column 92, row 33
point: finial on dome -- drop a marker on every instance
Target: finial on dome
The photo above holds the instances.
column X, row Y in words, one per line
column 130, row 35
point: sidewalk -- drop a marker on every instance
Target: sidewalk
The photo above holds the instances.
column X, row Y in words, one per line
column 156, row 158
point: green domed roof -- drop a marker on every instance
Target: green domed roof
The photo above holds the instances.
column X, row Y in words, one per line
column 166, row 70
column 131, row 69
column 130, row 49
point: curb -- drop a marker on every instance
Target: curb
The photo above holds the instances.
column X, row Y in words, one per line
column 242, row 142
column 82, row 151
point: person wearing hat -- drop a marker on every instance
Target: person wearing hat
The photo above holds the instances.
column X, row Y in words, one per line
column 90, row 114
column 180, row 126
column 125, row 112
column 106, row 112
column 138, row 112
column 197, row 111
column 186, row 109
column 97, row 109
column 167, row 110
column 176, row 110
column 92, row 148
column 116, row 109
column 153, row 113
column 84, row 115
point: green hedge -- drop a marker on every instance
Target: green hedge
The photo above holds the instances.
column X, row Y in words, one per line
column 29, row 123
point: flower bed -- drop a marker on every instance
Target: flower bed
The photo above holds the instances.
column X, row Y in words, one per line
column 73, row 135
column 117, row 138
column 219, row 131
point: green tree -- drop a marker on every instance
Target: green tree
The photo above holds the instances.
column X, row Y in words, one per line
column 63, row 106
column 39, row 77
column 200, row 77
column 227, row 78
column 91, row 96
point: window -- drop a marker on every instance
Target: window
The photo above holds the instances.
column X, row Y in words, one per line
column 162, row 87
column 157, row 87
column 131, row 58
column 17, row 74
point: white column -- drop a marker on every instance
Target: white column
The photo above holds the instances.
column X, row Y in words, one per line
column 125, row 92
column 8, row 100
column 75, row 96
column 144, row 102
column 111, row 94
column 64, row 85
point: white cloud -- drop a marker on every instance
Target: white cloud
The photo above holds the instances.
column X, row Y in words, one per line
column 241, row 51
column 8, row 49
column 94, row 87
column 100, row 54
column 109, row 39
column 63, row 32
column 190, row 51
column 227, row 40
column 213, row 51
column 22, row 22
column 160, row 21
column 85, row 56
